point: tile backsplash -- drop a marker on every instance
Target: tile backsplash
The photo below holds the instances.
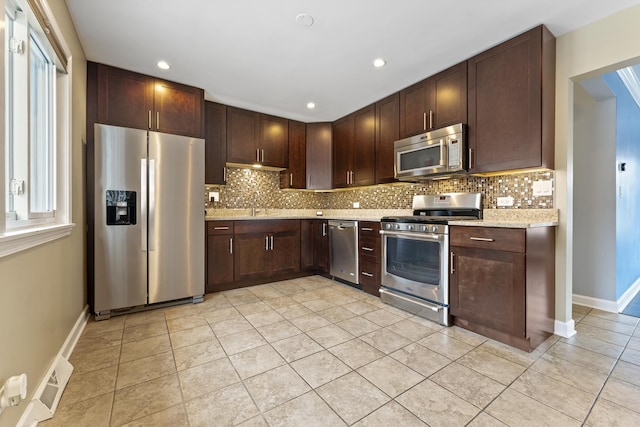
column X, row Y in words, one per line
column 248, row 188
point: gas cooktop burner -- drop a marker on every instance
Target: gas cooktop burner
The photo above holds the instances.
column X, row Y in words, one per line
column 423, row 219
column 442, row 209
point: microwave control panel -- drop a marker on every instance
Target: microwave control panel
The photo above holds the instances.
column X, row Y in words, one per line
column 454, row 150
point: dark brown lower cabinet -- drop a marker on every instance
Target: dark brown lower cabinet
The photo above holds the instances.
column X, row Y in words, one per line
column 314, row 246
column 266, row 248
column 321, row 246
column 369, row 253
column 502, row 283
column 219, row 255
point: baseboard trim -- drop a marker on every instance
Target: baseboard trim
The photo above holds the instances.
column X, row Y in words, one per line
column 36, row 410
column 564, row 329
column 628, row 296
column 600, row 304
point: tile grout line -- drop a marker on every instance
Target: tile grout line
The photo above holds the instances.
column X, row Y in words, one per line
column 609, row 376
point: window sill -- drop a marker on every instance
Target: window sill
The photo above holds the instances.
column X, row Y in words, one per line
column 15, row 241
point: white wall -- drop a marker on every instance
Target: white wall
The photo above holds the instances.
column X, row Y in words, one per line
column 594, row 200
column 42, row 290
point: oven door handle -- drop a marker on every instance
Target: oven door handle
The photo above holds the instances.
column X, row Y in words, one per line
column 416, row 236
column 426, row 304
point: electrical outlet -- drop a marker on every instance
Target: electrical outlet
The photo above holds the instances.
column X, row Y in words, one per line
column 543, row 188
column 214, row 196
column 505, row 201
column 356, row 205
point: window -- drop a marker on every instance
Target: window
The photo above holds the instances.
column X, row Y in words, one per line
column 41, row 94
column 35, row 172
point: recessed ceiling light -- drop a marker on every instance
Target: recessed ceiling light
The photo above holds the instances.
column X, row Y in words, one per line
column 304, row 19
column 311, row 105
column 379, row 62
column 163, row 65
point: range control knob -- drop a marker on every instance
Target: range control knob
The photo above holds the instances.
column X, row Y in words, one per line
column 434, row 228
column 387, row 226
column 397, row 226
column 423, row 228
column 409, row 227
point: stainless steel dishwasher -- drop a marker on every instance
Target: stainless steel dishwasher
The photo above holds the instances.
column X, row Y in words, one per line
column 343, row 249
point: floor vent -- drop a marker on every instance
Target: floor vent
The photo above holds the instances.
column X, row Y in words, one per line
column 46, row 399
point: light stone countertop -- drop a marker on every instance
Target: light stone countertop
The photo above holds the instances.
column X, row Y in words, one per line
column 502, row 218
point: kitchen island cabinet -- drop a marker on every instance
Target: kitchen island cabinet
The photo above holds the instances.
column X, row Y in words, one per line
column 255, row 138
column 512, row 104
column 502, row 283
column 129, row 99
column 435, row 102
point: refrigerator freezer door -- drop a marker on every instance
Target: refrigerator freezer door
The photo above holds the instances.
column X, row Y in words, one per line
column 176, row 217
column 120, row 269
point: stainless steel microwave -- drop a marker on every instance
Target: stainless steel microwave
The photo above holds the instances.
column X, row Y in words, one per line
column 430, row 154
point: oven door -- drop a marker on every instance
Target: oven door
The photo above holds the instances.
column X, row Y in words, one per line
column 416, row 264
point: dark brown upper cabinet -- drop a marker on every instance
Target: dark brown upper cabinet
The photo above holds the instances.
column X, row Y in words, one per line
column 138, row 101
column 387, row 132
column 435, row 102
column 295, row 175
column 319, row 156
column 254, row 138
column 512, row 104
column 354, row 149
column 215, row 147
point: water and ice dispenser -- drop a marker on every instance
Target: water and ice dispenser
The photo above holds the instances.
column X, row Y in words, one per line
column 121, row 207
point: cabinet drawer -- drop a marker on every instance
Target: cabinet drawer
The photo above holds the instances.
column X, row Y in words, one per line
column 267, row 226
column 369, row 228
column 219, row 227
column 370, row 248
column 369, row 273
column 498, row 239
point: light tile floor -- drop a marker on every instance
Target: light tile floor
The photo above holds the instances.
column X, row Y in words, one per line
column 313, row 352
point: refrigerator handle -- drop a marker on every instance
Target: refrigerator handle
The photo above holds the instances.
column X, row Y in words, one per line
column 143, row 204
column 152, row 204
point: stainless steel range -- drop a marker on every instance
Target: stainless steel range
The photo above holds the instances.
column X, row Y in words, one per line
column 415, row 253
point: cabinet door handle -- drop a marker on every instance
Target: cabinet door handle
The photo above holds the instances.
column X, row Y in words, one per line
column 149, row 119
column 424, row 121
column 352, row 179
column 364, row 248
column 366, row 229
column 291, row 179
column 430, row 119
column 220, row 228
column 257, row 155
column 470, row 158
column 364, row 273
column 224, row 174
column 158, row 120
column 271, row 239
column 481, row 239
column 262, row 152
column 231, row 245
column 452, row 269
column 266, row 243
column 324, row 229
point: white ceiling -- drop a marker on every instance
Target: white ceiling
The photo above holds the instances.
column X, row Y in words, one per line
column 252, row 54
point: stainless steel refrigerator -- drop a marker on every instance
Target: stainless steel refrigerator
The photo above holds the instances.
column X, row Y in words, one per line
column 148, row 219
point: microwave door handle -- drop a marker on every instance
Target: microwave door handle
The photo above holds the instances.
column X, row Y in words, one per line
column 443, row 152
